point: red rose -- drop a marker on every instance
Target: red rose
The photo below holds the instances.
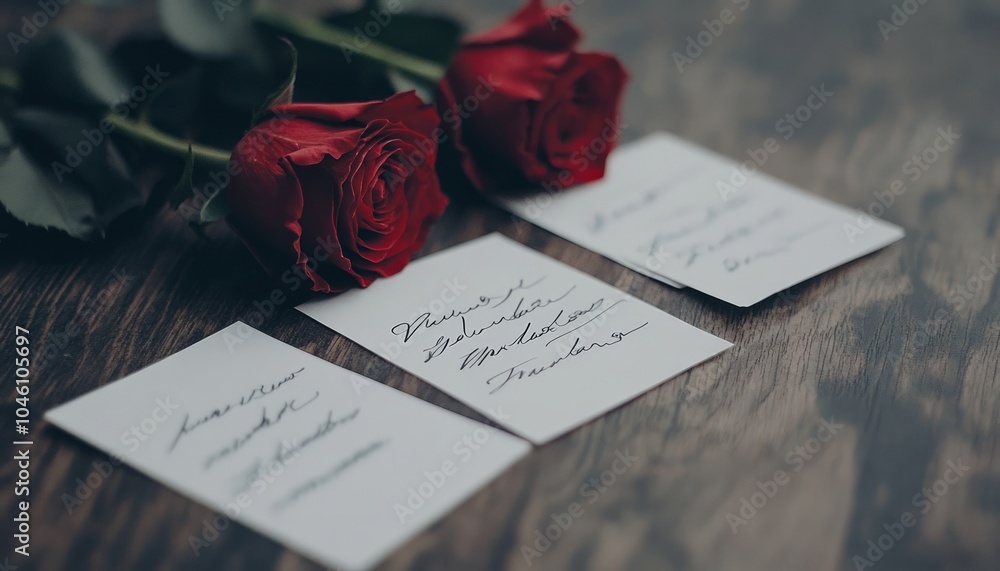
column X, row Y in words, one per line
column 338, row 194
column 523, row 108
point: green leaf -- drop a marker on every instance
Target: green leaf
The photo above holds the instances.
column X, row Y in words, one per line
column 284, row 94
column 30, row 196
column 209, row 28
column 67, row 70
column 6, row 140
column 216, row 208
column 43, row 184
column 183, row 190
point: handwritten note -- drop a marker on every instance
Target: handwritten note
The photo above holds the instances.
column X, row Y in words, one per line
column 330, row 463
column 683, row 215
column 500, row 326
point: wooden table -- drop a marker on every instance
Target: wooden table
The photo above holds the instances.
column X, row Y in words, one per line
column 887, row 349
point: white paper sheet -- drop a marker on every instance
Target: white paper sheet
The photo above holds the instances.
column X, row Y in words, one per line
column 500, row 326
column 684, row 215
column 332, row 464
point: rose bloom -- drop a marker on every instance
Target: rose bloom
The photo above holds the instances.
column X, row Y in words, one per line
column 340, row 194
column 523, row 108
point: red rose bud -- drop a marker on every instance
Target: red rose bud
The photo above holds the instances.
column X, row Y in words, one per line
column 338, row 194
column 523, row 108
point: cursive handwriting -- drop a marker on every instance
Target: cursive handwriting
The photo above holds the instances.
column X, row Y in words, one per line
column 520, row 285
column 588, row 322
column 324, row 428
column 329, row 475
column 265, row 421
column 409, row 328
column 292, row 450
column 710, row 214
column 646, row 198
column 734, row 263
column 695, row 251
column 520, row 310
column 517, row 372
column 424, row 320
column 478, row 356
column 187, row 426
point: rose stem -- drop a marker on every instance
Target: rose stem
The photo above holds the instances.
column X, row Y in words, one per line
column 208, row 157
column 315, row 30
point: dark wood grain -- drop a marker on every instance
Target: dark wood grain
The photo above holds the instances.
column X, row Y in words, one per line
column 881, row 346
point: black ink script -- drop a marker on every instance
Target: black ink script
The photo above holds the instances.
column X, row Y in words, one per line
column 520, row 310
column 290, row 406
column 478, row 356
column 518, row 371
column 330, row 475
column 259, row 392
column 258, row 470
column 645, row 199
column 424, row 320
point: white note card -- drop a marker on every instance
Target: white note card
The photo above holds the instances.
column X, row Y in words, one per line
column 336, row 466
column 684, row 215
column 538, row 346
